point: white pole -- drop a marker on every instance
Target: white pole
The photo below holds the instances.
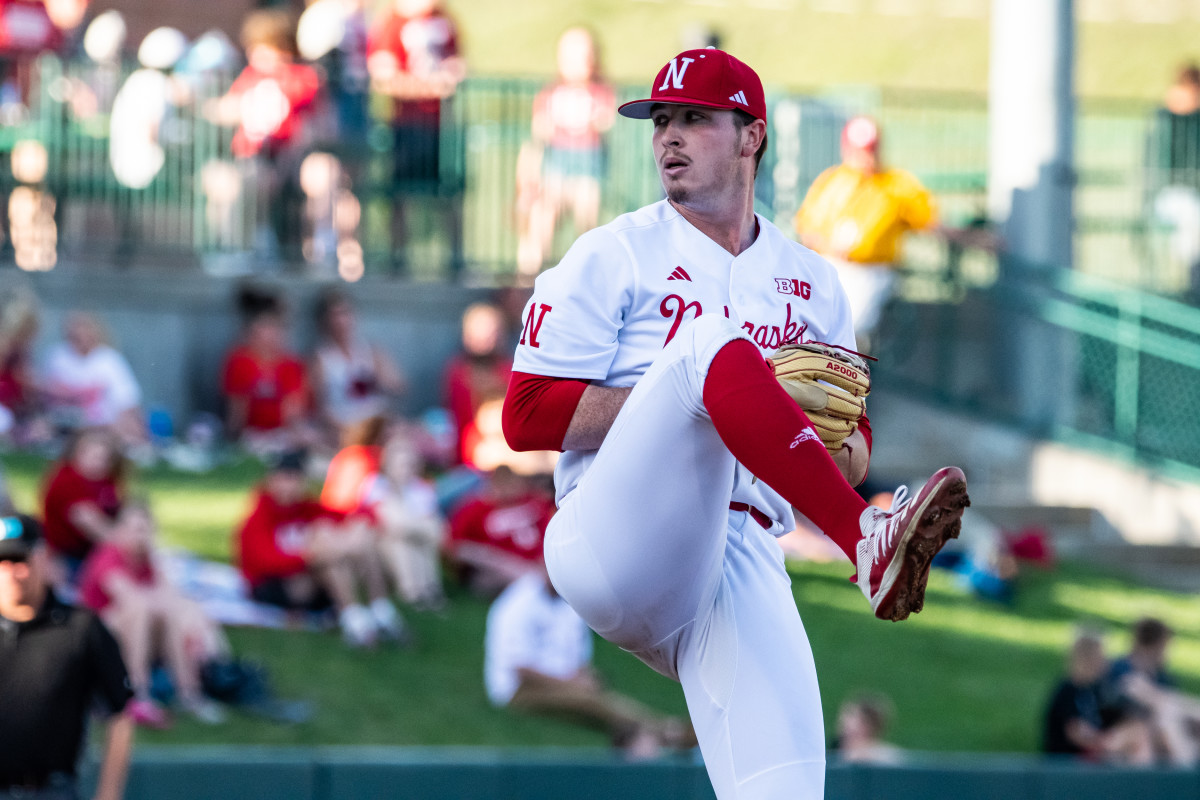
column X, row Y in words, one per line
column 1031, row 125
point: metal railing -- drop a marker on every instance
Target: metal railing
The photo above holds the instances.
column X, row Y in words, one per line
column 1056, row 352
column 203, row 207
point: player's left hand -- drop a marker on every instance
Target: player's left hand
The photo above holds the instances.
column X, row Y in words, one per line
column 853, row 458
column 829, row 382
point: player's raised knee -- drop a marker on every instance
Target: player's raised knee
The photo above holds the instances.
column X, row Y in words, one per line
column 706, row 335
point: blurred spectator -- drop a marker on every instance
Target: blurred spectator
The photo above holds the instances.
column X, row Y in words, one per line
column 269, row 103
column 862, row 722
column 855, row 214
column 140, row 111
column 1141, row 681
column 485, row 448
column 70, row 17
column 565, row 163
column 60, row 665
column 413, row 58
column 333, row 35
column 1075, row 721
column 412, row 529
column 297, row 554
column 1173, row 171
column 496, row 537
column 83, row 494
column 88, row 383
column 982, row 557
column 352, row 378
column 354, row 466
column 121, row 582
column 26, row 31
column 479, row 373
column 264, row 383
column 538, row 660
column 19, row 402
column 383, row 482
column 96, row 79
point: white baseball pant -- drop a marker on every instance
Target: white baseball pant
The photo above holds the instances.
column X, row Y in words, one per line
column 648, row 552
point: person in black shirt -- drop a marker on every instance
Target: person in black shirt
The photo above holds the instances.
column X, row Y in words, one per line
column 57, row 663
column 1076, row 723
column 1141, row 680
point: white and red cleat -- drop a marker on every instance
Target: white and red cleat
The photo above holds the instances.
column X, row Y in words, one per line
column 898, row 545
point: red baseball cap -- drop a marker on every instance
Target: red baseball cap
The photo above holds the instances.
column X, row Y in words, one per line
column 706, row 77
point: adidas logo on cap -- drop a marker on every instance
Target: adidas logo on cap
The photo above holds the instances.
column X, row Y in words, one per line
column 740, row 97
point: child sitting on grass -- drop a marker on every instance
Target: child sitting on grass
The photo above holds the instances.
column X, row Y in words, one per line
column 150, row 618
column 299, row 554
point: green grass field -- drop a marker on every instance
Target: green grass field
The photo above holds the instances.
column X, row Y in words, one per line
column 964, row 675
column 820, row 43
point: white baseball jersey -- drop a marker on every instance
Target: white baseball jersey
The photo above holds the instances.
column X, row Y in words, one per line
column 623, row 290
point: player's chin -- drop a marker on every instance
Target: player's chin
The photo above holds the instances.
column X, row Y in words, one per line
column 677, row 194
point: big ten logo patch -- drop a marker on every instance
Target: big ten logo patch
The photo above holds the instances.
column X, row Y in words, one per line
column 794, row 287
column 533, row 324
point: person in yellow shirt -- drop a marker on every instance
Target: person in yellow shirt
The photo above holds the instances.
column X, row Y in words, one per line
column 855, row 214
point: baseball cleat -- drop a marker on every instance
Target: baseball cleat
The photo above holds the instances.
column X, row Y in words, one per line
column 899, row 544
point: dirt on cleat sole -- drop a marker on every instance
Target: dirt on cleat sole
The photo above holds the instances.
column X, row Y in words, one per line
column 924, row 547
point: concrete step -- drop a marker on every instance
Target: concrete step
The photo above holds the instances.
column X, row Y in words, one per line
column 1085, row 535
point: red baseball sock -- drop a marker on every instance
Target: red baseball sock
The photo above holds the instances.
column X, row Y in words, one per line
column 768, row 433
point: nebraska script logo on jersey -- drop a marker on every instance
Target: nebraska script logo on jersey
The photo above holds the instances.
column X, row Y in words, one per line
column 529, row 334
column 793, row 286
column 767, row 337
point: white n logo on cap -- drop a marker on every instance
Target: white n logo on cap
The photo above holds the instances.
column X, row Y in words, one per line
column 740, row 97
column 675, row 73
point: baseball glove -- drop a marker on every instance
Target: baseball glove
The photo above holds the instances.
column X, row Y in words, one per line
column 829, row 382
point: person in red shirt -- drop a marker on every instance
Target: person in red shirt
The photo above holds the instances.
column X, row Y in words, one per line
column 265, row 385
column 353, row 467
column 497, row 537
column 297, row 554
column 150, row 618
column 21, row 416
column 382, row 483
column 413, row 57
column 570, row 118
column 478, row 374
column 82, row 496
column 270, row 102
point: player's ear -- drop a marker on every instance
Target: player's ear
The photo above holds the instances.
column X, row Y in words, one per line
column 753, row 135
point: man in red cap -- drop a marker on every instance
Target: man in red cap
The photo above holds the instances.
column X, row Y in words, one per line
column 642, row 359
column 855, row 214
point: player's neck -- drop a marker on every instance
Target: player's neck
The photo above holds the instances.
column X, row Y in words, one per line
column 735, row 229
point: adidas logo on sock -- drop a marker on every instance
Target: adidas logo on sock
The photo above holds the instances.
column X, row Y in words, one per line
column 679, row 275
column 740, row 97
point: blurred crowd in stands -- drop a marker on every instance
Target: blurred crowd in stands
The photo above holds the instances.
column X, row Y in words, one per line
column 302, row 109
column 360, row 511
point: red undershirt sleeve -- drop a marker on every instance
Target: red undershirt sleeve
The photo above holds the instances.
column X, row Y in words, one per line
column 538, row 410
column 864, row 425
